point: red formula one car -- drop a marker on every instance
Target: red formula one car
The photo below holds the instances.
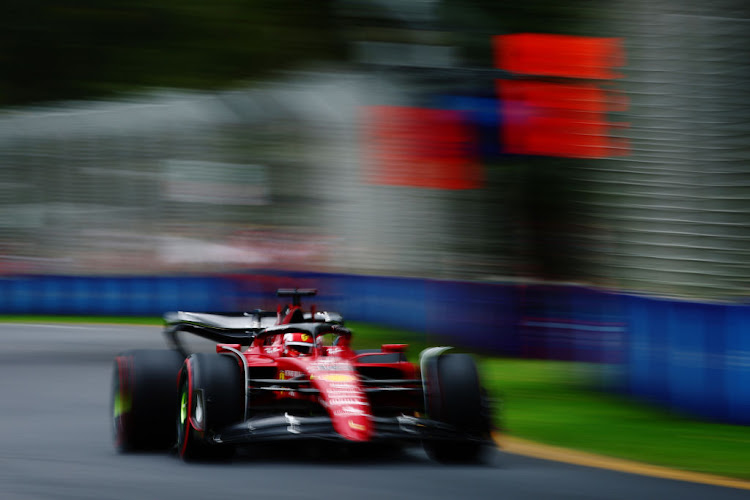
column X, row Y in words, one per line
column 292, row 374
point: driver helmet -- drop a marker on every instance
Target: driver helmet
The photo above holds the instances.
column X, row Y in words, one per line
column 298, row 344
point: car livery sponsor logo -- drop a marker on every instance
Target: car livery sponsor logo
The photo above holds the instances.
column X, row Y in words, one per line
column 342, row 387
column 335, row 396
column 345, row 391
column 289, row 374
column 338, row 377
column 337, row 401
column 356, row 426
column 285, row 375
column 350, row 410
column 328, row 365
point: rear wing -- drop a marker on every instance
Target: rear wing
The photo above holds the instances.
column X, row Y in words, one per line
column 242, row 328
column 224, row 328
column 296, row 293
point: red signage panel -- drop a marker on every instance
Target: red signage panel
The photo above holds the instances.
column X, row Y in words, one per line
column 420, row 147
column 565, row 56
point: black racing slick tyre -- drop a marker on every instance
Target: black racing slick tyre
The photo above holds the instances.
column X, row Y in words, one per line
column 211, row 396
column 455, row 397
column 144, row 398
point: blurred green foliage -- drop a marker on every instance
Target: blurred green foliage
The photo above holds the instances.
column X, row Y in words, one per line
column 81, row 48
column 52, row 50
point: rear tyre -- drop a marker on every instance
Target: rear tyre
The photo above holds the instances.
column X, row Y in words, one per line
column 455, row 397
column 144, row 398
column 211, row 396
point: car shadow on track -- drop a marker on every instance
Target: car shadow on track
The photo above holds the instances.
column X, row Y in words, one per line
column 327, row 455
column 336, row 454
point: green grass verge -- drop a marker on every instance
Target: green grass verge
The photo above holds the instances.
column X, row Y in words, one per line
column 124, row 320
column 556, row 403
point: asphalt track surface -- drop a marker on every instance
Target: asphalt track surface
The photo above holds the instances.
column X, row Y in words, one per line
column 55, row 443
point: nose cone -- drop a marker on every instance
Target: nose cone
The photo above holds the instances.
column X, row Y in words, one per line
column 346, row 402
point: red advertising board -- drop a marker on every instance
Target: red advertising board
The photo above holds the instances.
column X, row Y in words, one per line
column 420, row 147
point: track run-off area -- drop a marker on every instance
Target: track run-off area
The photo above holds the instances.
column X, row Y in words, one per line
column 55, row 443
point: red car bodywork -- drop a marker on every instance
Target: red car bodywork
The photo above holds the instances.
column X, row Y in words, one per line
column 330, row 392
column 328, row 377
column 350, row 389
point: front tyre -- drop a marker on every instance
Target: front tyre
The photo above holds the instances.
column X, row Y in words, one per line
column 211, row 396
column 455, row 397
column 143, row 399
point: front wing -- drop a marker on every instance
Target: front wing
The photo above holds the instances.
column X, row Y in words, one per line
column 387, row 429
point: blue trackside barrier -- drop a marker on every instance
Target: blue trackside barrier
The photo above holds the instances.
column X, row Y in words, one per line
column 478, row 315
column 107, row 295
column 647, row 372
column 736, row 368
column 570, row 323
column 690, row 356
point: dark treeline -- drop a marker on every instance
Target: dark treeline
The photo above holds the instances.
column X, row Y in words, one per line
column 53, row 50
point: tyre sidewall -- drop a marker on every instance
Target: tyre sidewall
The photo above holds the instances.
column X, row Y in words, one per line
column 219, row 381
column 143, row 398
column 455, row 397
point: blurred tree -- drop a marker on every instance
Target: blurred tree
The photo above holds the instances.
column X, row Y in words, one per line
column 472, row 22
column 83, row 48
